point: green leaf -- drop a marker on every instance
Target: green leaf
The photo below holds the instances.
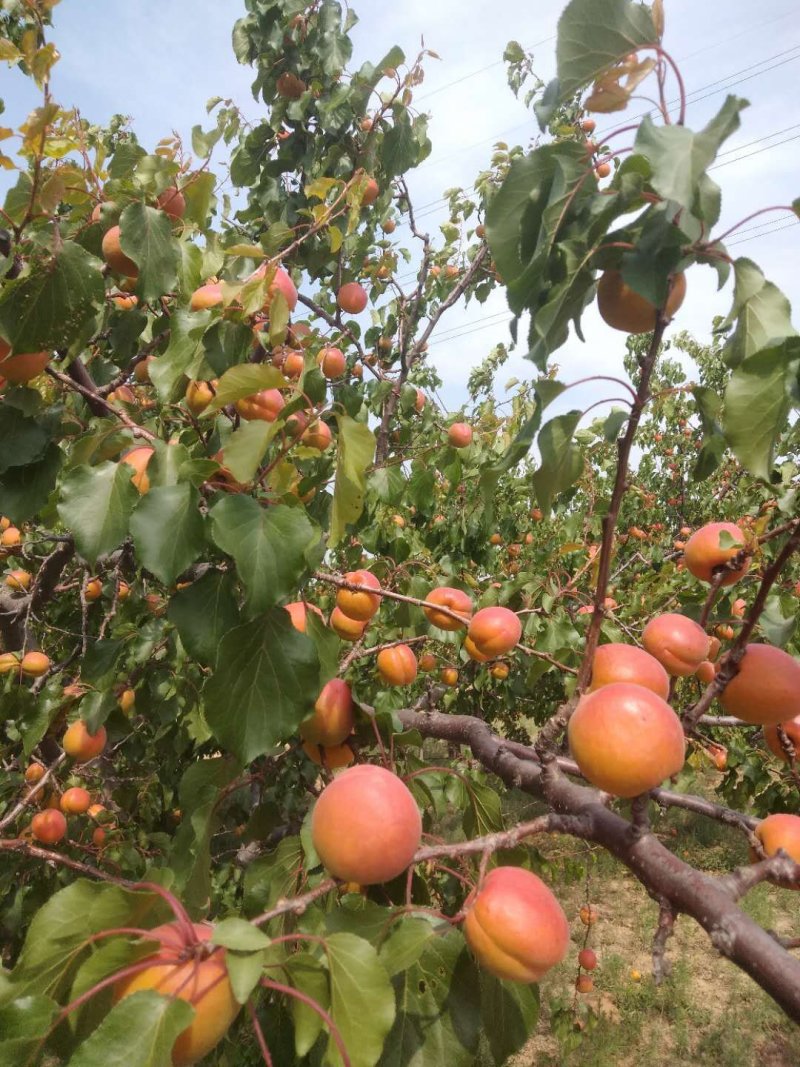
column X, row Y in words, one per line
column 266, row 683
column 309, row 976
column 271, row 546
column 356, row 450
column 562, row 460
column 614, row 422
column 679, row 157
column 405, row 944
column 509, row 1013
column 146, row 236
column 595, row 34
column 273, row 876
column 227, row 344
column 22, row 440
column 138, row 1032
column 484, row 814
column 438, row 1017
column 244, row 380
column 199, row 795
column 203, row 613
column 50, row 307
column 777, row 627
column 362, row 999
column 756, row 405
column 185, row 345
column 245, row 448
column 240, row 935
column 96, row 504
column 762, row 313
column 167, row 530
column 25, row 490
column 23, row 1024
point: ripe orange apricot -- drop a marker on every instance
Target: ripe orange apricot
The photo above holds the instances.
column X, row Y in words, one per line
column 626, row 739
column 427, row 662
column 455, row 599
column 198, row 396
column 23, row 367
column 317, row 435
column 18, row 580
column 584, row 984
column 494, row 631
column 332, row 719
column 448, row 676
column 352, row 298
column 127, row 701
column 706, row 672
column 623, row 309
column 356, row 604
column 515, row 926
column 627, row 663
column 138, row 458
column 172, row 202
column 207, row 296
column 10, row 537
column 791, row 729
column 49, row 826
column 588, row 915
column 35, row 664
column 397, row 665
column 183, row 970
column 348, row 629
column 703, row 552
column 334, row 757
column 587, row 959
column 75, row 801
column 766, row 689
column 331, row 362
column 298, row 610
column 34, row 773
column 459, row 435
column 265, row 406
column 9, row 661
column 281, row 283
column 474, row 652
column 780, row 832
column 115, row 257
column 677, row 642
column 370, row 195
column 366, row 826
column 82, row 745
column 98, row 836
column 419, row 401
column 93, row 589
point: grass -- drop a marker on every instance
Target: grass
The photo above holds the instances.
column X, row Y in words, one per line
column 707, row 1012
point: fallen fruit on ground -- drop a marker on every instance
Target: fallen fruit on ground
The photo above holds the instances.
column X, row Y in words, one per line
column 515, row 926
column 366, row 826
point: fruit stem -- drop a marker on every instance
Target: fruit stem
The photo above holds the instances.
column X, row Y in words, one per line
column 260, row 1039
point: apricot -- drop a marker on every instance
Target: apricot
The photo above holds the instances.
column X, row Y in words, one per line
column 23, row 367
column 198, row 396
column 138, row 458
column 127, row 701
column 587, row 959
column 123, row 590
column 281, row 283
column 515, row 926
column 474, row 652
column 677, row 642
column 98, row 836
column 265, row 406
column 588, row 915
column 331, row 362
column 370, row 194
column 703, row 552
column 766, row 690
column 182, row 970
column 366, row 826
column 447, row 597
column 49, row 826
column 298, row 612
column 82, row 745
column 625, row 310
column 397, row 665
column 293, row 365
column 792, row 730
column 496, row 539
column 448, row 676
column 141, row 371
column 75, row 801
column 207, row 296
column 34, row 773
column 780, row 832
column 115, row 257
column 419, row 401
column 427, row 662
column 360, row 606
column 172, row 202
column 334, row 757
column 18, row 580
column 93, row 589
column 9, row 661
column 348, row 629
column 625, row 739
column 494, row 631
column 317, row 435
column 706, row 672
column 35, row 664
column 627, row 663
column 332, row 719
column 583, row 983
column 459, row 435
column 499, row 671
column 352, row 298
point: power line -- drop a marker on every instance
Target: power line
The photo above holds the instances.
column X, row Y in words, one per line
column 757, row 152
column 480, row 70
column 764, row 233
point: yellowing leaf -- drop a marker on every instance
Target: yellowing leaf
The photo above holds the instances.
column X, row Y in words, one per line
column 9, row 51
column 320, row 188
column 251, row 251
column 336, row 238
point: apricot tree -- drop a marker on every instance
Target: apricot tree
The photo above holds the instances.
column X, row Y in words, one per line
column 284, row 642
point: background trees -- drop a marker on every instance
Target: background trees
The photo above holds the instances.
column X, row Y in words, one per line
column 247, row 548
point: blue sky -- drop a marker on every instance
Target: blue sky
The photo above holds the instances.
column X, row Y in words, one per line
column 160, row 61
